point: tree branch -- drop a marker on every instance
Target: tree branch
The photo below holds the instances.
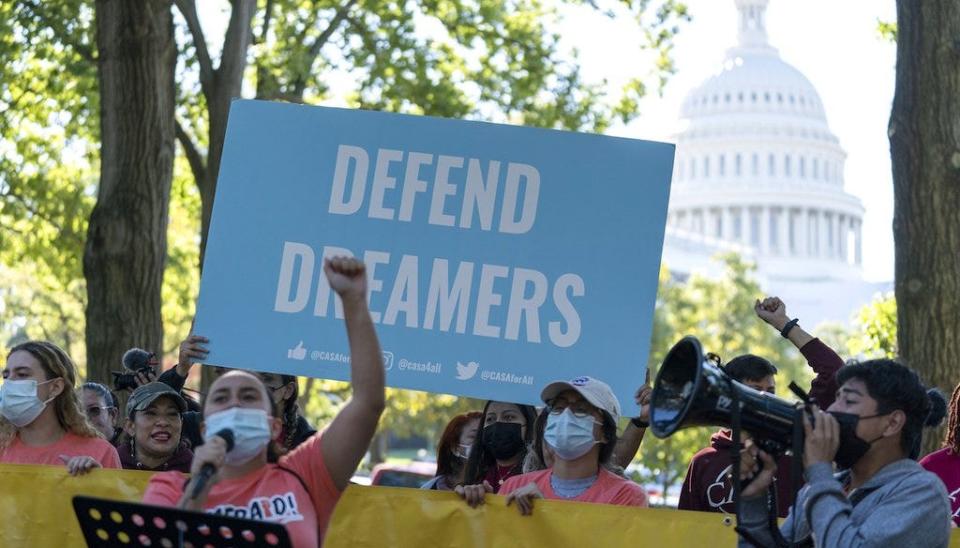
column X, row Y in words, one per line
column 83, row 50
column 33, row 210
column 317, row 45
column 237, row 40
column 188, row 8
column 267, row 16
column 194, row 157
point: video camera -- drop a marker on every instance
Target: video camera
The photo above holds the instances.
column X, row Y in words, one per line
column 124, row 381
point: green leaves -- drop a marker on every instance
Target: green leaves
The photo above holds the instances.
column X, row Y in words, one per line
column 494, row 60
column 719, row 312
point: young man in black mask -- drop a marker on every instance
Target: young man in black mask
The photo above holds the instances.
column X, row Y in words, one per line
column 884, row 498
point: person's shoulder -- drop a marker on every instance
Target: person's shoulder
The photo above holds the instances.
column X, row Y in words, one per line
column 619, row 481
column 309, row 449
column 622, row 490
column 705, row 456
column 89, row 443
column 928, row 478
column 172, row 479
column 523, row 479
column 937, row 457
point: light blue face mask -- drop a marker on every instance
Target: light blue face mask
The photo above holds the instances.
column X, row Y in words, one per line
column 251, row 432
column 570, row 437
column 19, row 403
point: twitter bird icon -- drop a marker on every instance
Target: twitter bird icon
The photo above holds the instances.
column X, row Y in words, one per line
column 466, row 372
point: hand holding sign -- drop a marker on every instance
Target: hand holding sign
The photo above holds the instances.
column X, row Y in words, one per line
column 482, row 244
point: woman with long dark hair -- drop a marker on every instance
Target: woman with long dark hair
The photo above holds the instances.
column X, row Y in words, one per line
column 453, row 450
column 500, row 448
column 285, row 391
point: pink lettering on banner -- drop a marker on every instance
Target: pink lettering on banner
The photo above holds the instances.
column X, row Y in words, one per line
column 276, row 508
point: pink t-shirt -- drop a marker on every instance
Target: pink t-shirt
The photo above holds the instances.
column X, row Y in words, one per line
column 608, row 489
column 70, row 445
column 946, row 465
column 271, row 493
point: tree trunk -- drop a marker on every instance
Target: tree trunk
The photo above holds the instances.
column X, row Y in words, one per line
column 126, row 244
column 924, row 136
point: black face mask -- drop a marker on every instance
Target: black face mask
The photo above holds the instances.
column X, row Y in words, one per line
column 852, row 447
column 503, row 439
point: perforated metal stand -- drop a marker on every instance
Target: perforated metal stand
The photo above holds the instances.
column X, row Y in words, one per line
column 110, row 523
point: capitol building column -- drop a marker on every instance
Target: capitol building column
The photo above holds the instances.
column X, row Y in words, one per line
column 858, row 242
column 824, row 235
column 783, row 227
column 800, row 229
column 764, row 230
column 726, row 221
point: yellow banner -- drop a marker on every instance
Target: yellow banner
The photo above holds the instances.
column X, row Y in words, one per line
column 376, row 517
column 38, row 504
column 37, row 500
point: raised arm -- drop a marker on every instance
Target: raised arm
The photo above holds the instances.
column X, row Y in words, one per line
column 820, row 357
column 773, row 311
column 347, row 438
column 629, row 441
column 192, row 350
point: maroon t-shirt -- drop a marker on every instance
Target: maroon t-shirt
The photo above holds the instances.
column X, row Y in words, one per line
column 706, row 487
column 946, row 465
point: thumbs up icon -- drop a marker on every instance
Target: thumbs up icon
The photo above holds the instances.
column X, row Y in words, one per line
column 298, row 352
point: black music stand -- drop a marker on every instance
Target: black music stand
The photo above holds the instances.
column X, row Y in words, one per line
column 110, row 523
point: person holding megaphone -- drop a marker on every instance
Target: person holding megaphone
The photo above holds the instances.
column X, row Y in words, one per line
column 882, row 497
column 238, row 471
column 707, row 487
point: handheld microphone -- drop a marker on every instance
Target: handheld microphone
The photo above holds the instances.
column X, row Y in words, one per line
column 208, row 470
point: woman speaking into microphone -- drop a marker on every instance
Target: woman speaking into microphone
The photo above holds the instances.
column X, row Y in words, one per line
column 251, row 480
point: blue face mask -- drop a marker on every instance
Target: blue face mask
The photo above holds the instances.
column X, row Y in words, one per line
column 19, row 403
column 251, row 432
column 569, row 436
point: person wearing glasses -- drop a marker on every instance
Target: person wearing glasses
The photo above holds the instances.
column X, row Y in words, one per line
column 153, row 428
column 580, row 435
column 100, row 406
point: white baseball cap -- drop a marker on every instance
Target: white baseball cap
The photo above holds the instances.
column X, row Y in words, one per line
column 598, row 393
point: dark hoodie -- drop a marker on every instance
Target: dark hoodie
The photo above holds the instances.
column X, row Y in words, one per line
column 707, row 487
column 180, row 461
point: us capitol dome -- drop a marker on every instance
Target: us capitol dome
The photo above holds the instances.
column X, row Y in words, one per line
column 759, row 171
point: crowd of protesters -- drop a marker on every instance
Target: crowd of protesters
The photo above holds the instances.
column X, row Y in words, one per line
column 872, row 492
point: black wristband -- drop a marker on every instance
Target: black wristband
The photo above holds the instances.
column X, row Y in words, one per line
column 785, row 332
column 639, row 423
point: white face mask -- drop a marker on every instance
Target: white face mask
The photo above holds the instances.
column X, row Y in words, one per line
column 19, row 403
column 569, row 436
column 463, row 451
column 251, row 432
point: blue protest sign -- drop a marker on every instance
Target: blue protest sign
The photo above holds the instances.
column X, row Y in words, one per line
column 500, row 258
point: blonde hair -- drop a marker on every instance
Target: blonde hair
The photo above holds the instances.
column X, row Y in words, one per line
column 55, row 363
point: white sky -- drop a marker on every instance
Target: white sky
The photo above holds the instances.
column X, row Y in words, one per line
column 833, row 42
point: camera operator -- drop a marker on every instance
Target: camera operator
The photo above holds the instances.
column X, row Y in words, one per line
column 140, row 368
column 883, row 498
